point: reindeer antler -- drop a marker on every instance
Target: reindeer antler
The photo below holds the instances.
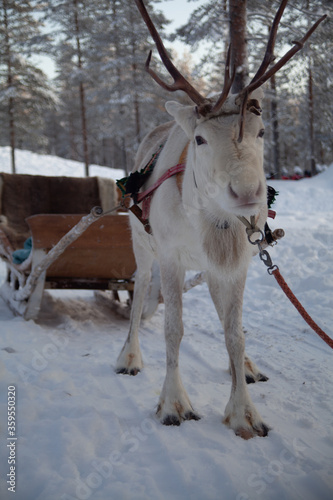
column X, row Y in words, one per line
column 263, row 74
column 180, row 82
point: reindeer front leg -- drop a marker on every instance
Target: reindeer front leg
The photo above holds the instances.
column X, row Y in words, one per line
column 174, row 404
column 240, row 413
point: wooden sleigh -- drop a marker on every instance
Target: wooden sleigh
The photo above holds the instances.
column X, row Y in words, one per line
column 73, row 247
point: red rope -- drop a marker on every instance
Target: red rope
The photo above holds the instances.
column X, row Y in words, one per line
column 277, row 275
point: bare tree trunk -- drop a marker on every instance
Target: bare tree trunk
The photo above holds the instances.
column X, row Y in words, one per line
column 137, row 113
column 311, row 124
column 313, row 169
column 82, row 94
column 124, row 155
column 122, row 140
column 136, row 98
column 238, row 40
column 135, row 85
column 275, row 131
column 11, row 116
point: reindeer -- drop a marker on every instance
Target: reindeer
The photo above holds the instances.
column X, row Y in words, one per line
column 195, row 225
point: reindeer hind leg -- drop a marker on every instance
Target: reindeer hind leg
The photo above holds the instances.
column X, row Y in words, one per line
column 130, row 361
column 252, row 372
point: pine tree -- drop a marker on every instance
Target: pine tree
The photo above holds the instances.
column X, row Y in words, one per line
column 304, row 86
column 208, row 28
column 72, row 20
column 24, row 89
column 126, row 105
column 102, row 85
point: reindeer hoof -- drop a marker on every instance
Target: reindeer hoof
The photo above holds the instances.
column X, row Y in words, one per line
column 129, row 361
column 190, row 415
column 176, row 420
column 249, row 379
column 245, row 421
column 260, row 377
column 252, row 373
column 178, row 417
column 171, row 420
column 128, row 371
column 246, row 433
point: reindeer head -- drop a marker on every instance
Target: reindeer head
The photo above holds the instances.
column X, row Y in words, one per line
column 229, row 131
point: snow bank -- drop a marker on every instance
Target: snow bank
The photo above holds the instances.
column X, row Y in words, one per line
column 36, row 164
column 306, row 196
column 86, row 433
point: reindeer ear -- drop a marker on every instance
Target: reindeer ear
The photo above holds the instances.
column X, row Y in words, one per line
column 185, row 116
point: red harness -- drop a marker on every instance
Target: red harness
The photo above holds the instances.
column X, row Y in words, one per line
column 146, row 196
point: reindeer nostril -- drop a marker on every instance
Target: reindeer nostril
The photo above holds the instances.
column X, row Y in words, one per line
column 232, row 192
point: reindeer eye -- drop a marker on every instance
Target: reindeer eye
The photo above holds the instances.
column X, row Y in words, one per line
column 261, row 133
column 200, row 140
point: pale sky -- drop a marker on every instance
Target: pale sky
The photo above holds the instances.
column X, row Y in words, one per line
column 178, row 11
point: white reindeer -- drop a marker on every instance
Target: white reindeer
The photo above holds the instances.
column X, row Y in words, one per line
column 197, row 228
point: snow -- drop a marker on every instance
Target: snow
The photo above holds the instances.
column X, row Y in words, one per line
column 36, row 164
column 86, row 433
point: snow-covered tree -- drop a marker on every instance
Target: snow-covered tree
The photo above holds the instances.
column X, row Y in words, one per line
column 72, row 21
column 24, row 89
column 101, row 47
column 303, row 88
column 123, row 99
column 208, row 28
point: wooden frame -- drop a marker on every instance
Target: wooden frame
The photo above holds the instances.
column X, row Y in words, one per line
column 71, row 252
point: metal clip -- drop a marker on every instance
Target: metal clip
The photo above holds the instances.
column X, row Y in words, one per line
column 251, row 229
column 271, row 269
column 250, row 232
column 266, row 258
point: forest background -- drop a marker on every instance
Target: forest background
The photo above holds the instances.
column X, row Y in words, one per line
column 101, row 102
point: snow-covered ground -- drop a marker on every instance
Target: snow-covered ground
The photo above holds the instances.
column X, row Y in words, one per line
column 86, row 433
